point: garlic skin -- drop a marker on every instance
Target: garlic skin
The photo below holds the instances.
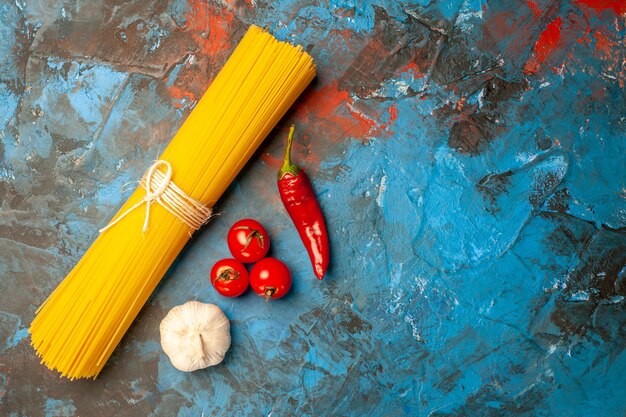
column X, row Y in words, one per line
column 195, row 335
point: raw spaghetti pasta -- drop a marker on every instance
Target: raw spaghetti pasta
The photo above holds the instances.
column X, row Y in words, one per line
column 77, row 328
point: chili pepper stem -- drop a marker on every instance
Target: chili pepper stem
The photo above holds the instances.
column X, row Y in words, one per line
column 288, row 167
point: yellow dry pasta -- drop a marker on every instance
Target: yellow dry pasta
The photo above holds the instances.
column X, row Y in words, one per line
column 77, row 328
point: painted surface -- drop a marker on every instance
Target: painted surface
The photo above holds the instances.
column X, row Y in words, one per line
column 469, row 156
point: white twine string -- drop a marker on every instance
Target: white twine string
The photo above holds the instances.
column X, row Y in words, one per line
column 160, row 189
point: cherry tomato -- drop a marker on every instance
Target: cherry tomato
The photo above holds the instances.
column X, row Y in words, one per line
column 270, row 278
column 248, row 241
column 229, row 277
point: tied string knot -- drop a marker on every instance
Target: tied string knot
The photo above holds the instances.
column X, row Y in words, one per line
column 161, row 189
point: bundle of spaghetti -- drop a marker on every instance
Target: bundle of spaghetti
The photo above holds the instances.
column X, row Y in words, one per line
column 77, row 328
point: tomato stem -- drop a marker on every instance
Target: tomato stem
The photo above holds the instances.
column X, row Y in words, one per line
column 288, row 167
column 228, row 275
column 269, row 293
column 253, row 234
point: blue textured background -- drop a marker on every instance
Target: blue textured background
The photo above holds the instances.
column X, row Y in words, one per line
column 469, row 157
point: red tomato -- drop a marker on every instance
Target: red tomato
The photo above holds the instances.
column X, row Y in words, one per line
column 270, row 278
column 248, row 241
column 229, row 277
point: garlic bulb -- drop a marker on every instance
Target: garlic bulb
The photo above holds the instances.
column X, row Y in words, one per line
column 195, row 335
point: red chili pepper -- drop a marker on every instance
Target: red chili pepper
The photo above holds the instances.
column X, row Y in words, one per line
column 301, row 204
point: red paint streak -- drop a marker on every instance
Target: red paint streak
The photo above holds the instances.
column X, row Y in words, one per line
column 603, row 44
column 618, row 6
column 413, row 69
column 534, row 7
column 205, row 17
column 361, row 117
column 393, row 114
column 548, row 39
column 545, row 45
column 334, row 112
column 198, row 16
column 219, row 35
column 179, row 95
